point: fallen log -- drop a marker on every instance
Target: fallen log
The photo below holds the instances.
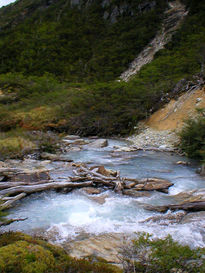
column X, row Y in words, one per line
column 95, row 174
column 6, row 185
column 43, row 187
column 77, row 178
column 189, row 207
column 10, row 221
column 97, row 180
column 9, row 203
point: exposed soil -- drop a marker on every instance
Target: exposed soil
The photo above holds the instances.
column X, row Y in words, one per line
column 173, row 114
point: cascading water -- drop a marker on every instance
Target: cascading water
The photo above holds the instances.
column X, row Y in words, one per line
column 66, row 216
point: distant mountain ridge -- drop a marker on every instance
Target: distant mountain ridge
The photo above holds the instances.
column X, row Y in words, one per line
column 85, row 38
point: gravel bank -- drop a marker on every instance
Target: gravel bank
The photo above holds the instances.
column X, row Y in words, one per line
column 149, row 137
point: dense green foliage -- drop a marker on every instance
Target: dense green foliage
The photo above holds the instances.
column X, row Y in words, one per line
column 193, row 137
column 161, row 256
column 101, row 108
column 82, row 46
column 94, row 42
column 20, row 253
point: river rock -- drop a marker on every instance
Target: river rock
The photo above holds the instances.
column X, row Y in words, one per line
column 127, row 149
column 80, row 142
column 71, row 137
column 106, row 246
column 55, row 157
column 91, row 190
column 99, row 143
column 99, row 198
column 136, row 193
column 32, row 177
column 183, row 163
column 106, row 172
column 195, row 217
column 190, row 196
column 152, row 184
column 166, row 219
column 188, row 206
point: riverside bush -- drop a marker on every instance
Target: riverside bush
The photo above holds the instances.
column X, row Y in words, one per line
column 161, row 255
column 193, row 136
column 20, row 253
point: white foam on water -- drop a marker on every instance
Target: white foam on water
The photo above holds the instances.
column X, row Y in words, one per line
column 67, row 216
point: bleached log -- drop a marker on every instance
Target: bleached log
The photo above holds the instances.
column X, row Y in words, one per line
column 97, row 180
column 95, row 174
column 43, row 187
column 8, row 204
column 6, row 185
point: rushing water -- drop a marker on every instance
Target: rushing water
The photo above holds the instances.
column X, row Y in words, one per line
column 68, row 215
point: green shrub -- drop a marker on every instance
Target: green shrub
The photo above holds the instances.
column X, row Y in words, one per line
column 21, row 253
column 192, row 137
column 162, row 256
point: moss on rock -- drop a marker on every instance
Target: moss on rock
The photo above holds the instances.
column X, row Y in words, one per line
column 22, row 253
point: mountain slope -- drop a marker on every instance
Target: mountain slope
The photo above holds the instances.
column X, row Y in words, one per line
column 82, row 50
column 75, row 40
column 173, row 114
column 173, row 18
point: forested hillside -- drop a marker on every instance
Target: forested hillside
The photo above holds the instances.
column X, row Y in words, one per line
column 92, row 40
column 60, row 61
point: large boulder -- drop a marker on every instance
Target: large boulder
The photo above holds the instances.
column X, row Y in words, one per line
column 99, row 143
column 154, row 184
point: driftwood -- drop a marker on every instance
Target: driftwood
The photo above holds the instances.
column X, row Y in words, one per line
column 97, row 180
column 83, row 177
column 6, row 185
column 44, row 187
column 11, row 201
column 77, row 178
column 189, row 207
column 10, row 221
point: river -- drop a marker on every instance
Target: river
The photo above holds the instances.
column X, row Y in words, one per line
column 66, row 216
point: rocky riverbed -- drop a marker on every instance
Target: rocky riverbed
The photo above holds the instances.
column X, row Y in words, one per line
column 107, row 190
column 149, row 138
